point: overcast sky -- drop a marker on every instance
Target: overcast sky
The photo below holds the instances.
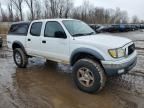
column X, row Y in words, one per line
column 133, row 7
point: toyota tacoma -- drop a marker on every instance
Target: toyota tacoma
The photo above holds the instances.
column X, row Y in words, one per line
column 93, row 57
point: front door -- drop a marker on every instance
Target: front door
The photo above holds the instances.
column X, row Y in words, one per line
column 55, row 43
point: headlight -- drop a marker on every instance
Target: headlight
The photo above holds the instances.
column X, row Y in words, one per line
column 117, row 53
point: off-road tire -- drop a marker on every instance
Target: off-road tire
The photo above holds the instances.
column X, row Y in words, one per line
column 98, row 73
column 23, row 58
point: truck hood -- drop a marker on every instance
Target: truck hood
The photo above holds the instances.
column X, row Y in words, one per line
column 104, row 40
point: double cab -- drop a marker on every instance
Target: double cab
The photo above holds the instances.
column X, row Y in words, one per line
column 93, row 57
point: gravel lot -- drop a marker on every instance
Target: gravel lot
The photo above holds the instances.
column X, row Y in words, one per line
column 48, row 85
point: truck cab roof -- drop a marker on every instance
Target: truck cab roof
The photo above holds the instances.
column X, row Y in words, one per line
column 21, row 22
column 56, row 19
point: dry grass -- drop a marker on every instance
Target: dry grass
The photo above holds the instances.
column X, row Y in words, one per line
column 3, row 32
column 3, row 29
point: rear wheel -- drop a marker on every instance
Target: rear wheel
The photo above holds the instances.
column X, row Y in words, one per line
column 20, row 58
column 89, row 75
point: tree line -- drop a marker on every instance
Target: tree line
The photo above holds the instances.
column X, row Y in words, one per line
column 19, row 10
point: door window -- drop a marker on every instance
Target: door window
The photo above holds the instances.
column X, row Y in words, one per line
column 54, row 30
column 36, row 29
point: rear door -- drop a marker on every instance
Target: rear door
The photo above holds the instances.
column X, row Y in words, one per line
column 33, row 39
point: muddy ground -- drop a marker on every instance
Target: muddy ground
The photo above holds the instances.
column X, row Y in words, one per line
column 48, row 85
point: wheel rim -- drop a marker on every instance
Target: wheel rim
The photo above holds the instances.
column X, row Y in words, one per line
column 17, row 58
column 85, row 77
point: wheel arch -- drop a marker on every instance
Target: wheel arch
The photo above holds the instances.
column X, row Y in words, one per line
column 85, row 53
column 17, row 44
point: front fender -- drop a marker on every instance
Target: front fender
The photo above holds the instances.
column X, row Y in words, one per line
column 95, row 53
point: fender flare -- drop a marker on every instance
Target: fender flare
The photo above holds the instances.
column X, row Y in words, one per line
column 20, row 44
column 95, row 53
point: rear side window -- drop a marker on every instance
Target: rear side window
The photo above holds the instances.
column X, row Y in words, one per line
column 19, row 29
column 36, row 29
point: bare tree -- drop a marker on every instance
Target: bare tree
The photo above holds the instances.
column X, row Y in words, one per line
column 90, row 14
column 47, row 9
column 58, row 8
column 124, row 17
column 68, row 8
column 53, row 7
column 18, row 6
column 38, row 12
column 142, row 21
column 50, row 8
column 10, row 11
column 135, row 20
column 4, row 16
column 64, row 9
column 30, row 4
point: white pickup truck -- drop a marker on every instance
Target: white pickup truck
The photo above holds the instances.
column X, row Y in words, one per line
column 93, row 57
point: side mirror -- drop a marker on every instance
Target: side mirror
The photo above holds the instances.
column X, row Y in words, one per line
column 60, row 34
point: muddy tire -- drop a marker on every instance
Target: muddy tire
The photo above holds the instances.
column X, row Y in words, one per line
column 20, row 58
column 89, row 76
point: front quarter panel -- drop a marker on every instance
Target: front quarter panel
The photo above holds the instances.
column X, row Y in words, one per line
column 85, row 48
column 99, row 51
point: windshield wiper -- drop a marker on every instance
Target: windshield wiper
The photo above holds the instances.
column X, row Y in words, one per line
column 91, row 33
column 83, row 34
column 79, row 34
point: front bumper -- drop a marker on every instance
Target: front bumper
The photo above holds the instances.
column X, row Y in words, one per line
column 115, row 68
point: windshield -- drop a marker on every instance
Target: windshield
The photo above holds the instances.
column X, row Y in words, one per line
column 78, row 28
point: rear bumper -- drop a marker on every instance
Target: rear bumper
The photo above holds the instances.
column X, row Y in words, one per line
column 115, row 68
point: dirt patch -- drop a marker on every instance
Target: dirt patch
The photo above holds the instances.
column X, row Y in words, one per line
column 47, row 85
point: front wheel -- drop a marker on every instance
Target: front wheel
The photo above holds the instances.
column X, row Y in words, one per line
column 89, row 75
column 20, row 58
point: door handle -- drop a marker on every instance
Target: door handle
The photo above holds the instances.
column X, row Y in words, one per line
column 43, row 41
column 29, row 39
